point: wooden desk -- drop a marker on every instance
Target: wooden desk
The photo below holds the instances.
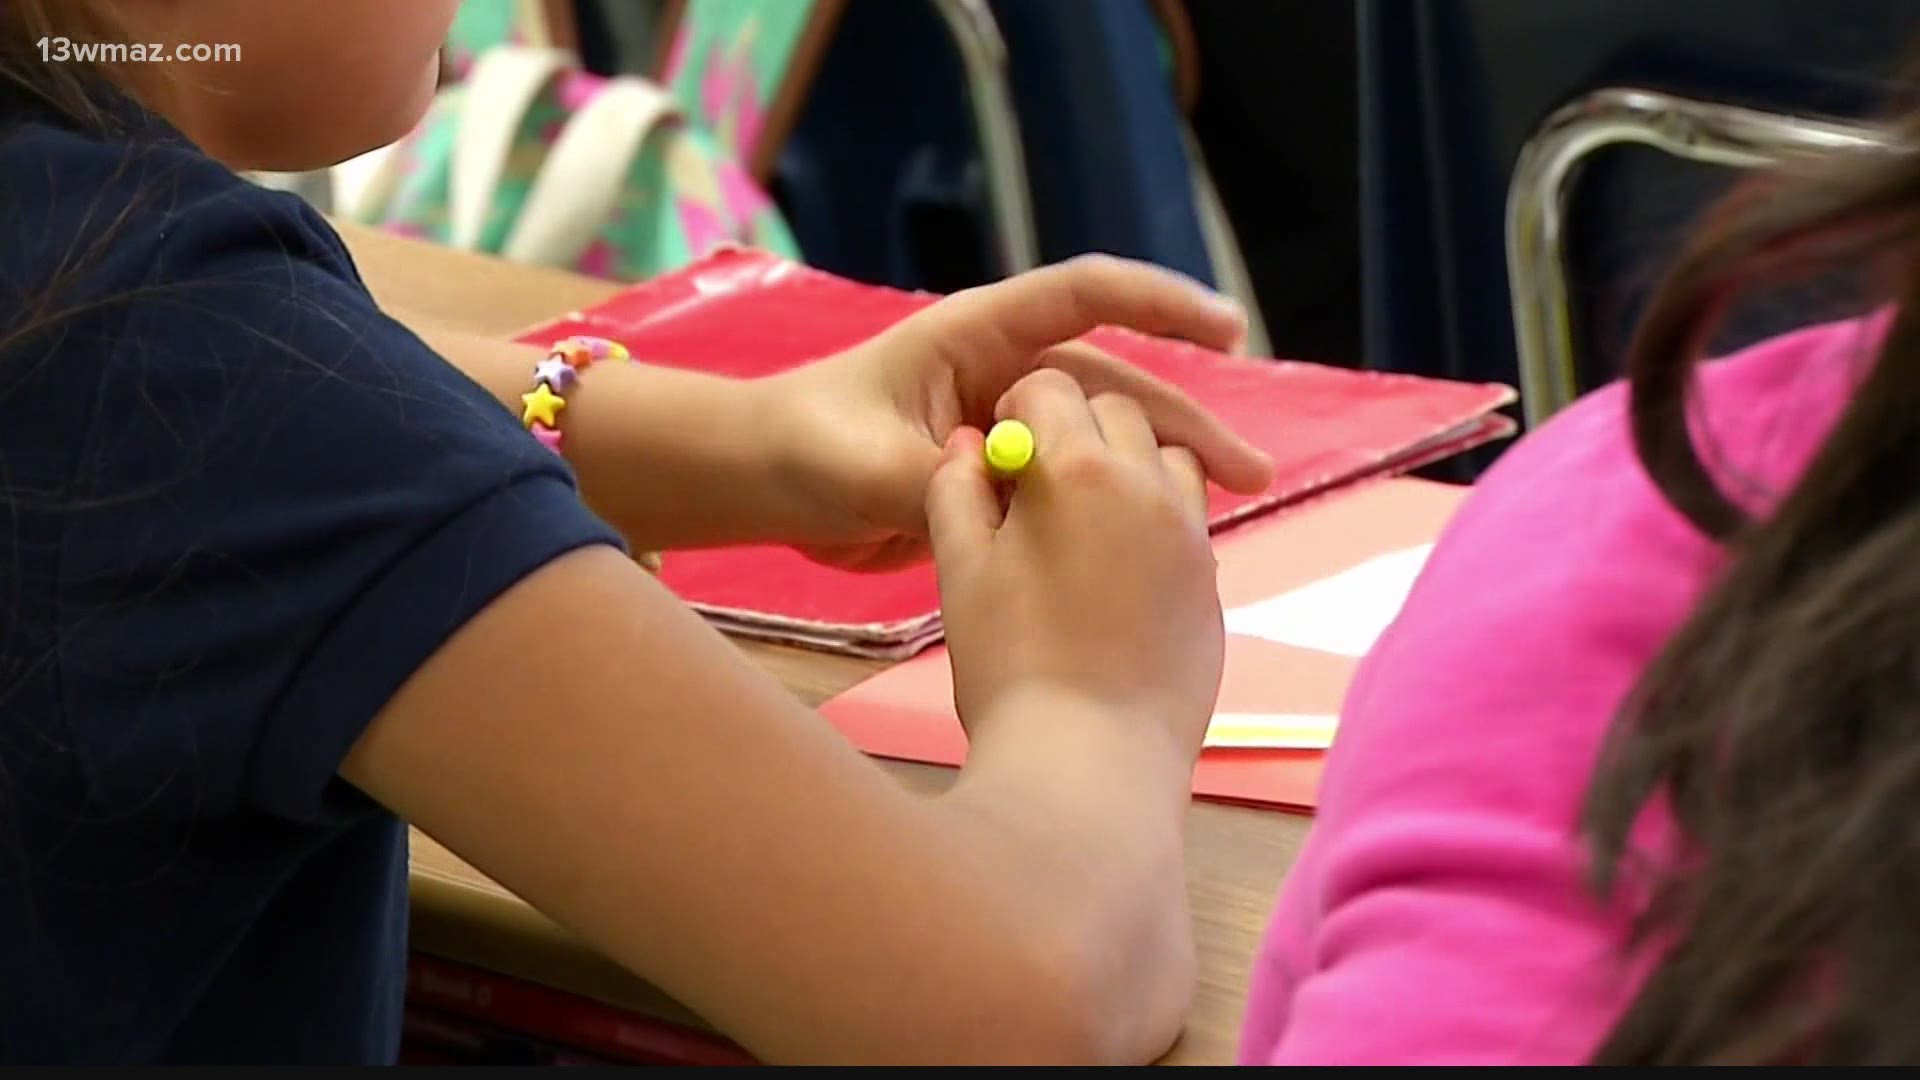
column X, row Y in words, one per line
column 1235, row 857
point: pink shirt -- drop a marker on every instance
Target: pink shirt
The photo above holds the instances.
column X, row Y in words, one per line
column 1439, row 912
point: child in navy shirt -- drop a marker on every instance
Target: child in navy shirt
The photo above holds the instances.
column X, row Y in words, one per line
column 281, row 575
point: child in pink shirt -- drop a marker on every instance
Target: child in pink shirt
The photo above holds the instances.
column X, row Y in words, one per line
column 1761, row 680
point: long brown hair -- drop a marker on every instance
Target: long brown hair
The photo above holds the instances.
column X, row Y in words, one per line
column 71, row 89
column 82, row 95
column 1781, row 724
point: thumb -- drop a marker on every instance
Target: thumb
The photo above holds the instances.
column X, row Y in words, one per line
column 962, row 508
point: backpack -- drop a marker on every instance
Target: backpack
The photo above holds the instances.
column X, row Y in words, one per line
column 533, row 159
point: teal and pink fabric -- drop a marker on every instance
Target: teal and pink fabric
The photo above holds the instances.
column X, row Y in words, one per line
column 689, row 189
column 729, row 59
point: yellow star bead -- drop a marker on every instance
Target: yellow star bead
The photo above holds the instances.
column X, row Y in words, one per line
column 617, row 351
column 541, row 405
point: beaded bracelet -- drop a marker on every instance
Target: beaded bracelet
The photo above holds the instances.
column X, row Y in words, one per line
column 554, row 376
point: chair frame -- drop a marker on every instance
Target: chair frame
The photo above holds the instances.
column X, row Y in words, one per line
column 983, row 55
column 1542, row 182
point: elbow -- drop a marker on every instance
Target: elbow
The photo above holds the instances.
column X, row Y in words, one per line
column 1087, row 999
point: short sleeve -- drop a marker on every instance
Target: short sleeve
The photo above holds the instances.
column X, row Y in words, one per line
column 284, row 503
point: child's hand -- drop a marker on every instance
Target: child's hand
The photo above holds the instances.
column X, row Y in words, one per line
column 1094, row 597
column 862, row 432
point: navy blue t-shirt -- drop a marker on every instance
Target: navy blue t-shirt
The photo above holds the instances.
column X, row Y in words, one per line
column 238, row 508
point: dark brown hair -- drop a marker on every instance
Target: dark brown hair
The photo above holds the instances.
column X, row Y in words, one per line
column 1781, row 724
column 81, row 95
column 71, row 89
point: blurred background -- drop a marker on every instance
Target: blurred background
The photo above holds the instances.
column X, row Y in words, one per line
column 1469, row 189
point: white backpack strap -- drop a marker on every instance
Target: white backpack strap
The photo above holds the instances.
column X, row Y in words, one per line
column 311, row 186
column 360, row 188
column 496, row 95
column 585, row 172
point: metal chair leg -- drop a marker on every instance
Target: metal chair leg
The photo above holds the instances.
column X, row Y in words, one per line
column 984, row 53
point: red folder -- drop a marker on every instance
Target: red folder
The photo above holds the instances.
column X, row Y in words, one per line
column 746, row 313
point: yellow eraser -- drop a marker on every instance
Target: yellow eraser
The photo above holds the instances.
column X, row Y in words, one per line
column 1009, row 447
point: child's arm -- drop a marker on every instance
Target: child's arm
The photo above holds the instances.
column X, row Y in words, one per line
column 673, row 459
column 601, row 751
column 835, row 456
column 295, row 545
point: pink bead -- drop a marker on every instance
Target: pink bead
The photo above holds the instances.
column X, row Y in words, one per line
column 603, row 349
column 549, row 437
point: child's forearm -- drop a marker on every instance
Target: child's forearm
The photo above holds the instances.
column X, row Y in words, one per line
column 673, row 459
column 1082, row 809
column 687, row 817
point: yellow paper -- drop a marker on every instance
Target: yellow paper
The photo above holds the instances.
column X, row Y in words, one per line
column 1271, row 731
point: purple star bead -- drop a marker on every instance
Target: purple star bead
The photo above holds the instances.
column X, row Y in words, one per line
column 555, row 373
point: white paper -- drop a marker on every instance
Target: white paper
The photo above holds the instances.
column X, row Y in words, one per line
column 1343, row 614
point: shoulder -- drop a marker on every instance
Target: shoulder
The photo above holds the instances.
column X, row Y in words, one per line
column 165, row 316
column 1566, row 570
column 137, row 266
column 273, row 501
column 88, row 217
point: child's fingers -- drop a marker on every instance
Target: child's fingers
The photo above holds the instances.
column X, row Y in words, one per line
column 1232, row 461
column 1125, row 426
column 963, row 509
column 1188, row 478
column 1036, row 310
column 1055, row 407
